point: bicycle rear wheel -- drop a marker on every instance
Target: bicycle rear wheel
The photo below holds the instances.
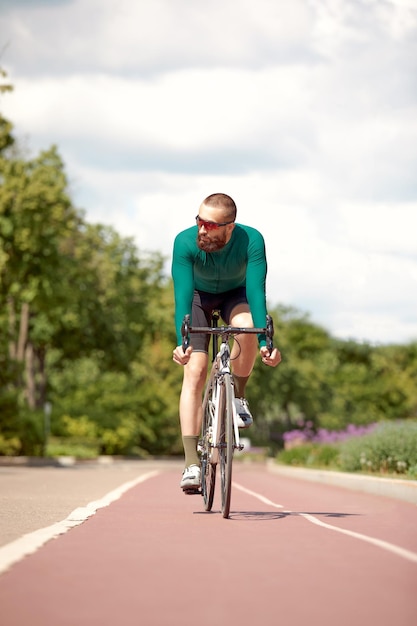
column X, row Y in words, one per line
column 226, row 445
column 208, row 466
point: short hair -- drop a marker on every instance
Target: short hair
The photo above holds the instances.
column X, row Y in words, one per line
column 222, row 201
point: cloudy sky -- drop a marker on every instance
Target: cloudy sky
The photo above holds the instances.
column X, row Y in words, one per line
column 305, row 111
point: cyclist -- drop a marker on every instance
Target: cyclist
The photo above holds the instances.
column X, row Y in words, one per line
column 217, row 264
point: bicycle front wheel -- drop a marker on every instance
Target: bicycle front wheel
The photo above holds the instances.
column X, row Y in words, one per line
column 208, row 458
column 226, row 445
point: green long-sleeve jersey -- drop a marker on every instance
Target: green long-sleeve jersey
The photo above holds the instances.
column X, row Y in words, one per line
column 241, row 263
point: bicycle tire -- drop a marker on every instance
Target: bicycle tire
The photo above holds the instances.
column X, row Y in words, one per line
column 226, row 445
column 208, row 468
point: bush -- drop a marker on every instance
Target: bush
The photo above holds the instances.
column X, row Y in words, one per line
column 73, row 437
column 64, row 447
column 310, row 455
column 327, row 455
column 391, row 448
column 31, row 432
column 297, row 456
column 9, row 446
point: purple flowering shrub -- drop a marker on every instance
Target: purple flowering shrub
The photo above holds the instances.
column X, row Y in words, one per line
column 306, row 434
column 391, row 448
column 386, row 447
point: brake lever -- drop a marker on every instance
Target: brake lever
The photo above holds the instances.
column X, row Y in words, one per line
column 269, row 334
column 185, row 332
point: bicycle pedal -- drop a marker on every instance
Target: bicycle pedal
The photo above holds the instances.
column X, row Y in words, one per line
column 192, row 491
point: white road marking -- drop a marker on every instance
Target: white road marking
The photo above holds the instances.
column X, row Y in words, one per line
column 258, row 495
column 406, row 554
column 385, row 545
column 16, row 550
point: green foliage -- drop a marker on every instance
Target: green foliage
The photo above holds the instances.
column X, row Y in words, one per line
column 66, row 447
column 81, row 428
column 86, row 323
column 6, row 136
column 31, row 433
column 297, row 456
column 36, row 217
column 9, row 446
column 310, row 455
column 8, row 396
column 390, row 449
column 21, row 430
column 78, row 437
column 133, row 413
column 328, row 382
column 68, row 290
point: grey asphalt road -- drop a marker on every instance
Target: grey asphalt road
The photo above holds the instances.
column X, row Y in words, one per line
column 35, row 497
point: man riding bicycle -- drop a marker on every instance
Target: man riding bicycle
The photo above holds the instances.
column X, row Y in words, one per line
column 217, row 264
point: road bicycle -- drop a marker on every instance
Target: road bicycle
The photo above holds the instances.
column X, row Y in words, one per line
column 219, row 431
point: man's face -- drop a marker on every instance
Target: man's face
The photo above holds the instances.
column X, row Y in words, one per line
column 209, row 238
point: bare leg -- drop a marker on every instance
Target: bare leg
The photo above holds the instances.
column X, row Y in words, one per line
column 245, row 347
column 195, row 373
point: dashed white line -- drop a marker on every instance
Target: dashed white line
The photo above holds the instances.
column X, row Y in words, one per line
column 258, row 496
column 385, row 545
column 14, row 551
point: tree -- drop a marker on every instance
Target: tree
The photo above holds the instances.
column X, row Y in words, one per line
column 71, row 291
column 6, row 127
column 8, row 396
column 36, row 218
column 133, row 409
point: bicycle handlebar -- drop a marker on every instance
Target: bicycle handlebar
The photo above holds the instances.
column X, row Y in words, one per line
column 186, row 330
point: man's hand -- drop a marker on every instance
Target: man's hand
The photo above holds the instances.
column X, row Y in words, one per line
column 270, row 359
column 181, row 357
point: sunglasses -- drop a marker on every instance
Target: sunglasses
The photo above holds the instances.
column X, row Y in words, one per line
column 210, row 225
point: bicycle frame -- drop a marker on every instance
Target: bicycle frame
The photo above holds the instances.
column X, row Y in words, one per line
column 220, row 431
column 220, row 367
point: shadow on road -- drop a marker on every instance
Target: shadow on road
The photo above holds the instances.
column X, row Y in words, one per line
column 264, row 516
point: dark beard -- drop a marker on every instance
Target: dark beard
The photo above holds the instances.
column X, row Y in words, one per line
column 211, row 244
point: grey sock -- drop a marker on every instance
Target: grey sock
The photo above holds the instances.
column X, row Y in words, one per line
column 190, row 450
column 240, row 385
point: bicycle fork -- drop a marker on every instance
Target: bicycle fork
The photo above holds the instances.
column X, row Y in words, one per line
column 216, row 434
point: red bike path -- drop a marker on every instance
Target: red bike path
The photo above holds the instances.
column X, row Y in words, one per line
column 292, row 552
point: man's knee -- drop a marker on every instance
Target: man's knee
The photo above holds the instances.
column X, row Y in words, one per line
column 241, row 316
column 195, row 371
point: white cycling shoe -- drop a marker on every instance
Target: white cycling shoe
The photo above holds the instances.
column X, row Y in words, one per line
column 244, row 416
column 191, row 479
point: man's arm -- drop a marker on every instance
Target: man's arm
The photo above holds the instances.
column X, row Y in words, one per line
column 183, row 278
column 256, row 282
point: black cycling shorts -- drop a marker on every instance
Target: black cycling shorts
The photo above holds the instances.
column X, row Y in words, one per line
column 204, row 304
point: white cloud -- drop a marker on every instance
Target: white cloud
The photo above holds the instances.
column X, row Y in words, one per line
column 304, row 112
column 149, row 37
column 381, row 228
column 186, row 110
column 350, row 267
